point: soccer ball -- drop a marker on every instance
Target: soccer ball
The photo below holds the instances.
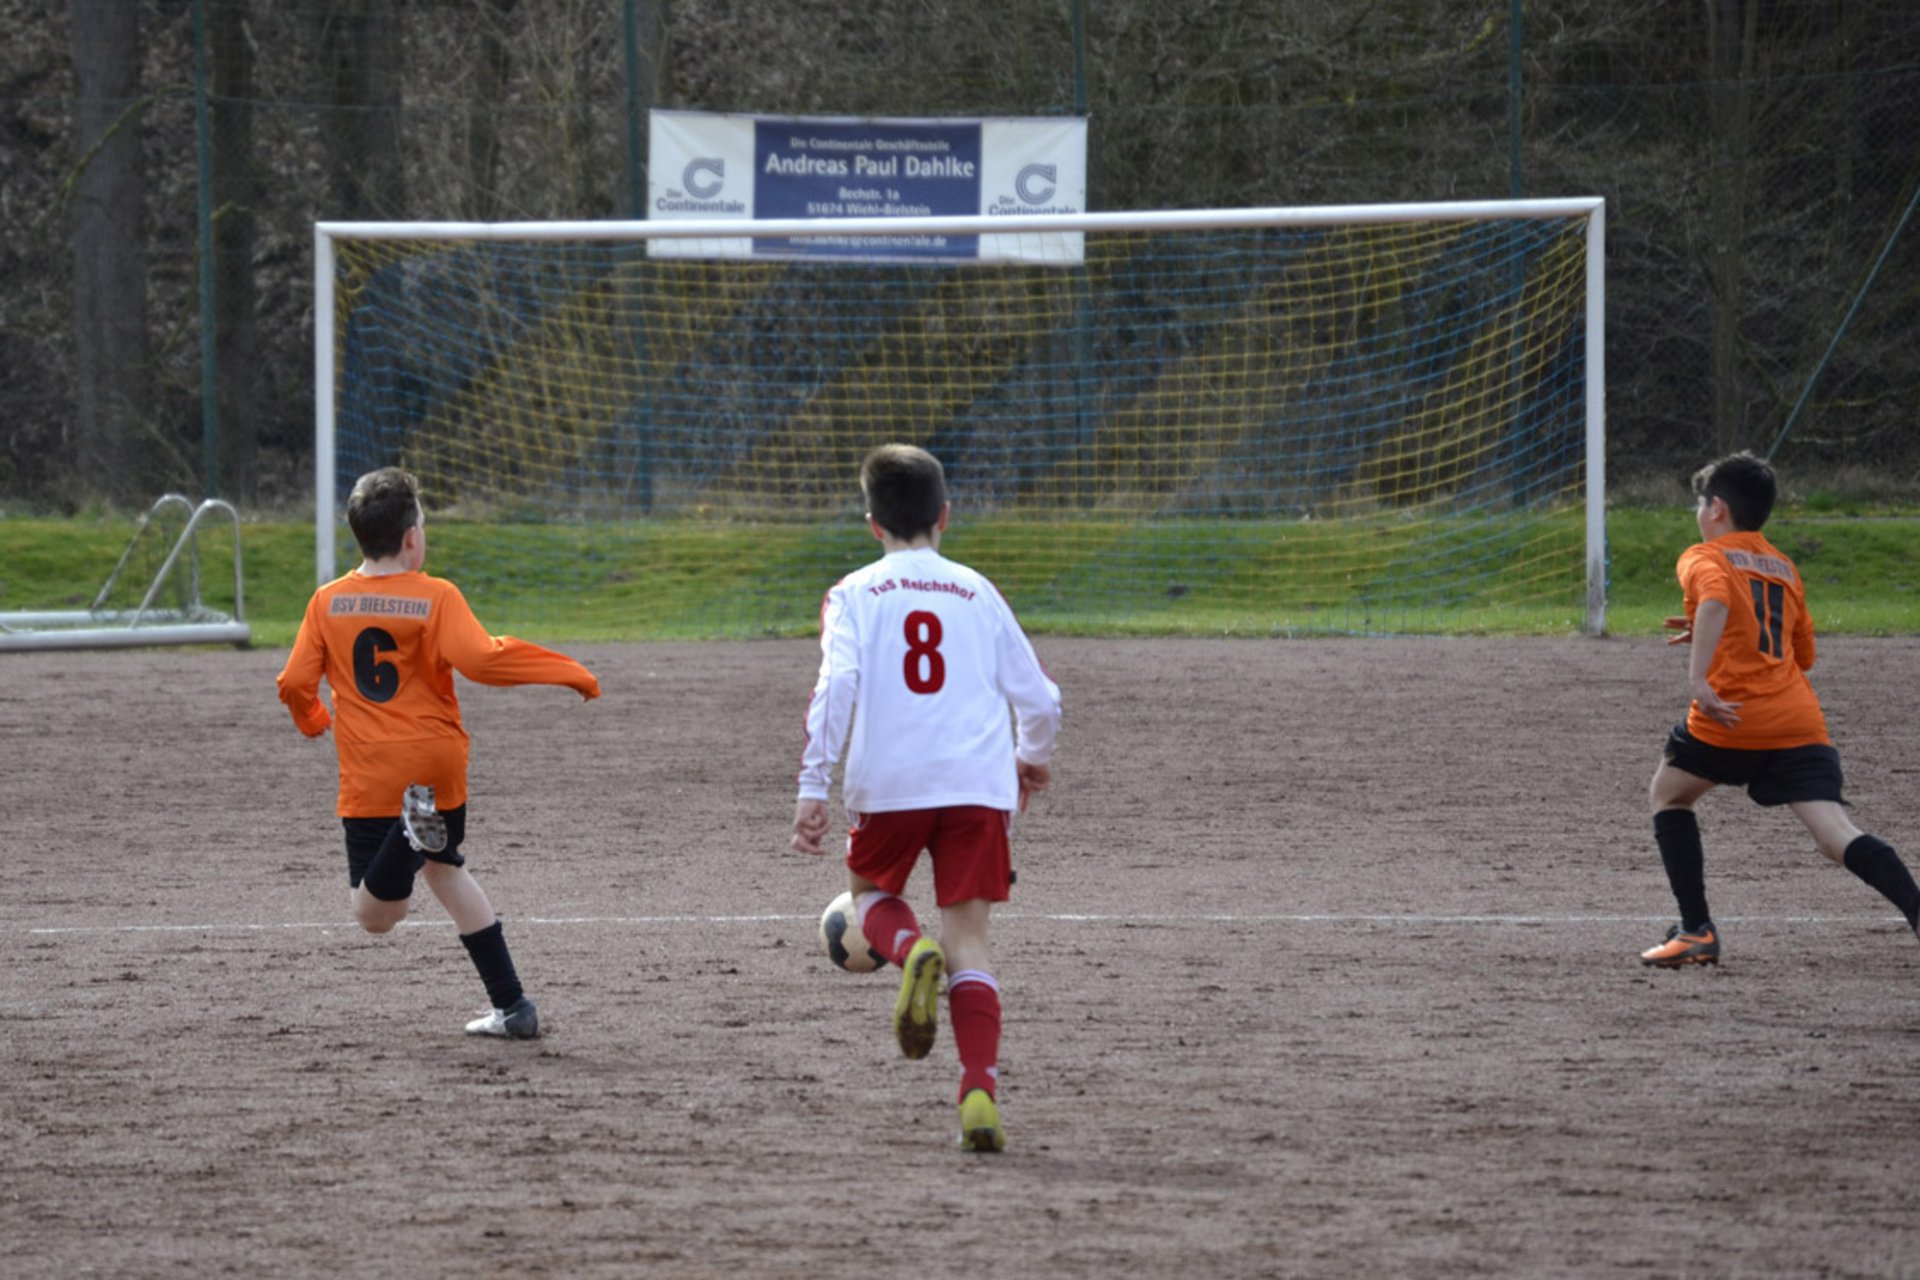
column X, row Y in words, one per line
column 841, row 939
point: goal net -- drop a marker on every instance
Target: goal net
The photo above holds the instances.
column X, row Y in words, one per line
column 1365, row 419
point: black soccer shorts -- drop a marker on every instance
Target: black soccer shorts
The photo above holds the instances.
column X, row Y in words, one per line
column 1785, row 775
column 366, row 835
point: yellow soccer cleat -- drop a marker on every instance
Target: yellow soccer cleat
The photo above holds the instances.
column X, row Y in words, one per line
column 980, row 1123
column 916, row 1014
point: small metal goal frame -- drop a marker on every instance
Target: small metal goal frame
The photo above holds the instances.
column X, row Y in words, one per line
column 98, row 627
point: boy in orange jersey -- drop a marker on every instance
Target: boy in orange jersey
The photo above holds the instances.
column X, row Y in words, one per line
column 1754, row 721
column 388, row 638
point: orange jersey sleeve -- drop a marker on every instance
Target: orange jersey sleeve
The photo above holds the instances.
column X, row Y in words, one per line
column 388, row 647
column 1765, row 651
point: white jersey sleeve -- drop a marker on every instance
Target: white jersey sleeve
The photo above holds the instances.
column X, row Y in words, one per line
column 830, row 711
column 921, row 659
column 1033, row 694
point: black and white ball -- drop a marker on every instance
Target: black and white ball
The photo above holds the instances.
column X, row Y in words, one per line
column 841, row 939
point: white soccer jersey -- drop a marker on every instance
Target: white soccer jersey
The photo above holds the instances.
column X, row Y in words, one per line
column 921, row 657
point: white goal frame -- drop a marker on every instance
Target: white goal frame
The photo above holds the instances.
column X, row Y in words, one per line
column 1591, row 208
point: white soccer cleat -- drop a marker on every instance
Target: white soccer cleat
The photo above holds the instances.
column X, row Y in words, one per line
column 426, row 829
column 518, row 1021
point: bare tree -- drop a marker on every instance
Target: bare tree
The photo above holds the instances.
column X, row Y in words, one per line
column 493, row 62
column 652, row 82
column 361, row 51
column 109, row 251
column 235, row 188
column 1732, row 37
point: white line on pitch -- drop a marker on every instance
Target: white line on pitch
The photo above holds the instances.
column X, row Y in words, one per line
column 1147, row 918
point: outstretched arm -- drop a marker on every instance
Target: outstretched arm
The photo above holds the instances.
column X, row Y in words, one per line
column 505, row 660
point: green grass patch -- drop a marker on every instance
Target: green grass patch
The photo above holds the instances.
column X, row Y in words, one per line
column 1861, row 571
column 666, row 580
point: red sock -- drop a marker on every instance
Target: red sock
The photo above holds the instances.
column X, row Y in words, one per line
column 973, row 1007
column 890, row 926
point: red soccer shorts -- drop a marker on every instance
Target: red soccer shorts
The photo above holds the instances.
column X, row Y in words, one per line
column 968, row 843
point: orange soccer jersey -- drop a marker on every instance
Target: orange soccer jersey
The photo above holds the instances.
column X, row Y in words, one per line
column 1765, row 652
column 389, row 645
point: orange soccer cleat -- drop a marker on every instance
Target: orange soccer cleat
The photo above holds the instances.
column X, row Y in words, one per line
column 1683, row 948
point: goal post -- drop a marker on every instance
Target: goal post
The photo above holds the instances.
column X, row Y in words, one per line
column 1370, row 418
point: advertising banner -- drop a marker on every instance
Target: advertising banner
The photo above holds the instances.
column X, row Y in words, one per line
column 707, row 167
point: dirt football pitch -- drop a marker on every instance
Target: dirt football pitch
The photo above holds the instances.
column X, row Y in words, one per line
column 1321, row 962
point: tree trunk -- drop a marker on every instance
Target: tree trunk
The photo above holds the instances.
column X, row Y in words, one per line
column 109, row 256
column 483, row 110
column 1847, row 24
column 651, row 84
column 361, row 51
column 235, row 189
column 590, row 186
column 1731, row 38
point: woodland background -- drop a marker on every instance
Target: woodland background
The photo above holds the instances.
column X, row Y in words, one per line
column 1758, row 160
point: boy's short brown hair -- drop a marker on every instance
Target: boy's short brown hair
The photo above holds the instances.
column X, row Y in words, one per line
column 1745, row 483
column 384, row 504
column 905, row 488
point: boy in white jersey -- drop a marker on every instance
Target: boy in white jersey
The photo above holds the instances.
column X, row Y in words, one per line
column 920, row 657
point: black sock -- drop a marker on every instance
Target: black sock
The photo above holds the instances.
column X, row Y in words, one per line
column 488, row 948
column 1873, row 860
column 390, row 875
column 1677, row 833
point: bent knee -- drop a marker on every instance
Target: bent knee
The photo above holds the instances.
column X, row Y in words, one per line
column 1673, row 788
column 376, row 915
column 1660, row 799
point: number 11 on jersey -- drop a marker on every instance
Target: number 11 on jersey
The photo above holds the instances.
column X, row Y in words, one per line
column 1769, row 602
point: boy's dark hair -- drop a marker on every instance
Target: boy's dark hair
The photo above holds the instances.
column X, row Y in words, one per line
column 906, row 489
column 1745, row 483
column 384, row 504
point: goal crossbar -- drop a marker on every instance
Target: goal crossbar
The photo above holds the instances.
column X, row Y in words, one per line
column 977, row 224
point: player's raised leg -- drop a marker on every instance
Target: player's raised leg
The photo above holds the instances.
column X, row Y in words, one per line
column 893, row 930
column 383, row 882
column 889, row 923
column 916, row 1012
